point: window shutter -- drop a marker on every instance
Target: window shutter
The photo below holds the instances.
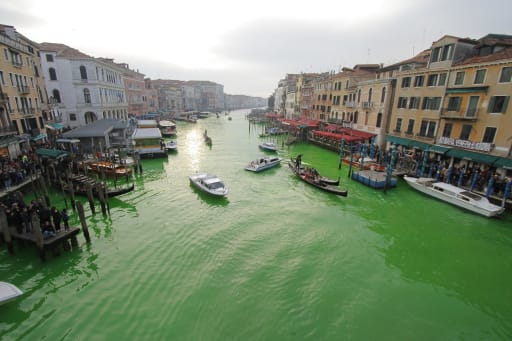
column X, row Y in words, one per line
column 505, row 104
column 491, row 104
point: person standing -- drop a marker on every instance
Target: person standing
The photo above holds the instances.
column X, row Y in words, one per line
column 65, row 219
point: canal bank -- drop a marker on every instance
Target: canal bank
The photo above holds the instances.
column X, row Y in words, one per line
column 277, row 260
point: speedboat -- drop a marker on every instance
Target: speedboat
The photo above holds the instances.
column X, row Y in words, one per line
column 209, row 183
column 268, row 146
column 455, row 196
column 262, row 163
column 8, row 292
column 171, row 146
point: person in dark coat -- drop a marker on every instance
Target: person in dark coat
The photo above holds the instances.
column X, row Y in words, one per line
column 56, row 218
column 65, row 218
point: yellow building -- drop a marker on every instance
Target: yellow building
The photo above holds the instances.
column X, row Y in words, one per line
column 22, row 90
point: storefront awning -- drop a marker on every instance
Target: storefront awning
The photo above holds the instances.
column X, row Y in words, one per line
column 503, row 162
column 472, row 156
column 54, row 126
column 38, row 137
column 438, row 149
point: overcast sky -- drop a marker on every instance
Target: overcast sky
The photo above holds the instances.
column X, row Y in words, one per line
column 249, row 46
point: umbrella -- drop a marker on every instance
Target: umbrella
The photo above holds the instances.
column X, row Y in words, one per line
column 473, row 181
column 449, row 178
column 461, row 176
column 424, row 163
column 342, row 145
column 507, row 192
column 490, row 187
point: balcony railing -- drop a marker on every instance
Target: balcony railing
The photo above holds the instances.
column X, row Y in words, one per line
column 28, row 111
column 350, row 104
column 367, row 105
column 24, row 89
column 460, row 114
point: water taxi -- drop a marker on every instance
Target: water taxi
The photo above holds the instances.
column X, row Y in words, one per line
column 268, row 146
column 455, row 196
column 209, row 183
column 262, row 163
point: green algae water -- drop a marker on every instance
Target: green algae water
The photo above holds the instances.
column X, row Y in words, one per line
column 276, row 260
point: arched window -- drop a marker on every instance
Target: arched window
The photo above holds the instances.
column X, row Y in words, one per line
column 379, row 120
column 53, row 74
column 356, row 114
column 83, row 72
column 370, row 95
column 87, row 96
column 383, row 96
column 56, row 95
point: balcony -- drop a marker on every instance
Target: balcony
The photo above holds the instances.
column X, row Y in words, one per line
column 24, row 89
column 470, row 114
column 350, row 104
column 28, row 111
column 367, row 105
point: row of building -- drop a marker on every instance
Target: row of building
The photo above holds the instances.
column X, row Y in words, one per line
column 452, row 97
column 48, row 86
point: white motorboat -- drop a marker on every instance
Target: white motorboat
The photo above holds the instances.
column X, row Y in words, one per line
column 455, row 196
column 8, row 292
column 171, row 146
column 262, row 163
column 268, row 146
column 167, row 128
column 209, row 183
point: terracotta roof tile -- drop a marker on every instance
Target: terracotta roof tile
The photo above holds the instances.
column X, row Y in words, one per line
column 501, row 55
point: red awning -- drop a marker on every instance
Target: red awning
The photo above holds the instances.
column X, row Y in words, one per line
column 337, row 136
column 298, row 123
column 272, row 115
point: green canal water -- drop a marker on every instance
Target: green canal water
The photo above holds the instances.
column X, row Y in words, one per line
column 277, row 260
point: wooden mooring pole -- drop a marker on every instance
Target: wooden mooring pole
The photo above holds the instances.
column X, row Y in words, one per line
column 6, row 232
column 81, row 215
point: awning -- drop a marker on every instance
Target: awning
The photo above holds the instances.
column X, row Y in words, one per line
column 503, row 162
column 51, row 153
column 54, row 126
column 472, row 156
column 407, row 142
column 438, row 149
column 38, row 137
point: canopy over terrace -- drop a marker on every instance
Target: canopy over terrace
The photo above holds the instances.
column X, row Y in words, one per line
column 301, row 123
column 341, row 136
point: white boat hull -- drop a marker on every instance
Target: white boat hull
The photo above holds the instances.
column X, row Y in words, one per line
column 262, row 164
column 209, row 183
column 8, row 292
column 452, row 195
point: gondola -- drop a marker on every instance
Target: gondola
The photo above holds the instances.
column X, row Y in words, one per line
column 111, row 192
column 325, row 180
column 317, row 183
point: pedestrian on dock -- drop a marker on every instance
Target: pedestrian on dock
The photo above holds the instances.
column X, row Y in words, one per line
column 56, row 218
column 26, row 219
column 65, row 218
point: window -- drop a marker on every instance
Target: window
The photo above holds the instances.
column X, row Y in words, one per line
column 6, row 54
column 464, row 133
column 383, row 95
column 498, row 104
column 379, row 120
column 447, row 131
column 454, row 103
column 447, row 52
column 406, row 82
column 418, row 81
column 359, row 96
column 49, row 58
column 432, row 80
column 402, row 102
column 459, row 78
column 506, row 75
column 414, row 103
column 427, row 128
column 53, row 74
column 410, row 126
column 490, row 133
column 56, row 96
column 435, row 54
column 72, row 117
column 87, row 96
column 442, row 79
column 398, row 126
column 370, row 95
column 2, row 77
column 431, row 103
column 480, row 76
column 83, row 72
column 11, row 78
column 472, row 106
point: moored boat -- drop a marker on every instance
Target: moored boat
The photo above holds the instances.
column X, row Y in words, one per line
column 209, row 183
column 171, row 146
column 109, row 168
column 167, row 128
column 324, row 179
column 455, row 195
column 315, row 181
column 268, row 146
column 262, row 163
column 8, row 292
